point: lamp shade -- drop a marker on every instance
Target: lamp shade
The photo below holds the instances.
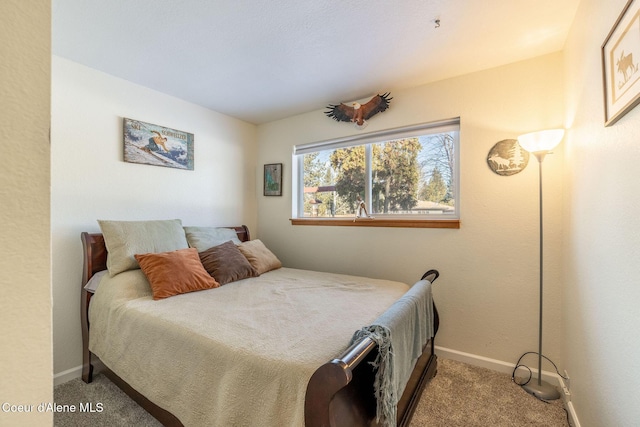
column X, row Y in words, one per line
column 541, row 141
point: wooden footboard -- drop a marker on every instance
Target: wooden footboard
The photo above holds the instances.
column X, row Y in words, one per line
column 340, row 392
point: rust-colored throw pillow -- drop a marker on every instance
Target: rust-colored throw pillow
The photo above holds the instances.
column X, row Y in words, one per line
column 176, row 272
column 226, row 264
column 260, row 257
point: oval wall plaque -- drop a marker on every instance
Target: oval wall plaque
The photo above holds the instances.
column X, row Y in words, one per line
column 507, row 157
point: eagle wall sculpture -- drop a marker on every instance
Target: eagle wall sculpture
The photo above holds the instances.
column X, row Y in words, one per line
column 359, row 113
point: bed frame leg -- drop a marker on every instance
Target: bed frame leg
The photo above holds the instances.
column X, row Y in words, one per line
column 87, row 368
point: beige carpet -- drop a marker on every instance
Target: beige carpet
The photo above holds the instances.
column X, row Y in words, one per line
column 460, row 395
column 468, row 396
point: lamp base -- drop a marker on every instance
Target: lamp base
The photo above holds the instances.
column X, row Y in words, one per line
column 543, row 391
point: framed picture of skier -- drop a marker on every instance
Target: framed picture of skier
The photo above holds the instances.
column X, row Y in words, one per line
column 151, row 144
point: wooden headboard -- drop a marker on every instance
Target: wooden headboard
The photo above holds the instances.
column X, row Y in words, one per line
column 95, row 251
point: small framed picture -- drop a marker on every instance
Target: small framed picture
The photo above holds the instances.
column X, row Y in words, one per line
column 273, row 179
column 620, row 61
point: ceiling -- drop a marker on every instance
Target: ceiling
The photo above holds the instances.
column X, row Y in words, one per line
column 264, row 60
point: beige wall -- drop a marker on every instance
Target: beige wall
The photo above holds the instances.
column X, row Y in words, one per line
column 601, row 234
column 91, row 181
column 25, row 305
column 488, row 290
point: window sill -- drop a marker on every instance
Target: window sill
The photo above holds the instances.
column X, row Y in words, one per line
column 378, row 222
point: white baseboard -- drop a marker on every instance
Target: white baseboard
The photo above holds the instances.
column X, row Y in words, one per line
column 571, row 410
column 493, row 364
column 68, row 375
column 507, row 368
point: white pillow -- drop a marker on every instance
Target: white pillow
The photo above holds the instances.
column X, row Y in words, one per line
column 92, row 284
column 203, row 238
column 124, row 239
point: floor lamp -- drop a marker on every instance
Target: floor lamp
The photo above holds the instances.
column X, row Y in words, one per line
column 540, row 144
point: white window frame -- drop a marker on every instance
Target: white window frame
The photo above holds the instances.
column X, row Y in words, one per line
column 444, row 126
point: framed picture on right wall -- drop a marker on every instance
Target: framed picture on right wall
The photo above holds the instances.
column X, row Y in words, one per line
column 620, row 64
column 273, row 179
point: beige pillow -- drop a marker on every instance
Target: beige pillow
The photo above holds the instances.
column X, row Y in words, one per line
column 124, row 239
column 226, row 264
column 203, row 238
column 176, row 272
column 261, row 258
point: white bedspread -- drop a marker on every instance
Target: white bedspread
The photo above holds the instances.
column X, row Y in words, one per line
column 238, row 355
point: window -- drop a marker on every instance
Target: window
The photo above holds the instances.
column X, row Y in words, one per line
column 400, row 174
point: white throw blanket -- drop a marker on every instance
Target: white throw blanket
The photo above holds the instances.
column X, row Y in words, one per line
column 238, row 355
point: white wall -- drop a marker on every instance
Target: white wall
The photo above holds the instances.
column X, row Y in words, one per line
column 601, row 234
column 26, row 357
column 91, row 181
column 488, row 291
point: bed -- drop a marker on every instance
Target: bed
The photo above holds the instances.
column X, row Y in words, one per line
column 321, row 389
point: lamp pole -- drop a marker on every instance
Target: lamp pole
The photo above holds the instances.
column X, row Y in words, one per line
column 541, row 389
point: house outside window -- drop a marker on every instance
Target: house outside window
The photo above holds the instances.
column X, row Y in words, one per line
column 403, row 173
